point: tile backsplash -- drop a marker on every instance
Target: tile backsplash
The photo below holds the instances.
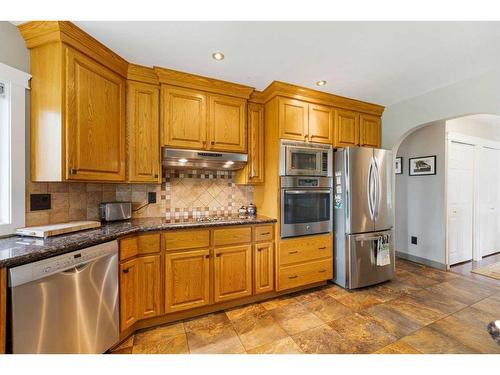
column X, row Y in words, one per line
column 182, row 194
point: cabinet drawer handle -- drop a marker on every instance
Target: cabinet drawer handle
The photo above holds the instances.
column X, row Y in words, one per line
column 292, row 277
column 125, row 270
column 322, row 248
column 321, row 271
column 265, row 234
column 293, row 252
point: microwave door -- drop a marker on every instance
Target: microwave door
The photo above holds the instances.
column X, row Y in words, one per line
column 359, row 179
column 383, row 208
column 302, row 161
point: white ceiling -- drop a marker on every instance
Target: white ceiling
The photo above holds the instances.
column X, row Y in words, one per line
column 380, row 62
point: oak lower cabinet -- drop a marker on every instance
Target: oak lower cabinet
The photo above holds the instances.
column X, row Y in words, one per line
column 263, row 271
column 140, row 289
column 3, row 309
column 232, row 272
column 187, row 280
column 369, row 131
column 150, row 286
column 129, row 293
column 143, row 129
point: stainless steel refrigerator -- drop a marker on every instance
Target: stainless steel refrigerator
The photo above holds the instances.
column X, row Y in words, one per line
column 363, row 217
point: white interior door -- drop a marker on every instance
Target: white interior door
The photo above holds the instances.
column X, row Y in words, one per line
column 489, row 202
column 460, row 201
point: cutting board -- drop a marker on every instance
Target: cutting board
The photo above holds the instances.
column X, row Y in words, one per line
column 56, row 229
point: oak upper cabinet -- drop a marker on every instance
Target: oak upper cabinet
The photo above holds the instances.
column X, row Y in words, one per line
column 346, row 129
column 293, row 119
column 184, row 118
column 321, row 120
column 369, row 127
column 143, row 132
column 263, row 272
column 232, row 272
column 303, row 121
column 129, row 293
column 253, row 173
column 95, row 120
column 187, row 280
column 149, row 286
column 227, row 124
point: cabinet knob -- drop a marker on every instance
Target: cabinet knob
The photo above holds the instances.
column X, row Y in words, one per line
column 125, row 270
column 73, row 171
column 213, row 142
column 217, row 255
column 156, row 175
column 207, row 256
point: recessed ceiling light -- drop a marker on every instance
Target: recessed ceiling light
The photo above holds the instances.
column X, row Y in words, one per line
column 320, row 83
column 218, row 56
column 183, row 160
column 229, row 162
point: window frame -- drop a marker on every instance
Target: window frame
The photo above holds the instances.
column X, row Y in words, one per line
column 16, row 82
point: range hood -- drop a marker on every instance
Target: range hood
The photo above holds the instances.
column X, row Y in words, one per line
column 195, row 159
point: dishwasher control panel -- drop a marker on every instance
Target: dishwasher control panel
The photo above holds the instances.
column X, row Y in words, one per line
column 43, row 268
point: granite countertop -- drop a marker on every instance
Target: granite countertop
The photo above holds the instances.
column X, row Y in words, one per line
column 17, row 250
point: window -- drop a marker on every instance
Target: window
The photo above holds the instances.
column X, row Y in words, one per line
column 13, row 84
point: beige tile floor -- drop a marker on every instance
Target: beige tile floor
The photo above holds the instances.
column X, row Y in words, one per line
column 423, row 310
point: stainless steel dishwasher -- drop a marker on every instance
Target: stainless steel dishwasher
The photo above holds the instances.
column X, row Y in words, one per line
column 66, row 304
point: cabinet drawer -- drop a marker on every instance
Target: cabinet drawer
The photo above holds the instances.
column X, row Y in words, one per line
column 305, row 249
column 187, row 239
column 139, row 245
column 305, row 273
column 232, row 236
column 263, row 233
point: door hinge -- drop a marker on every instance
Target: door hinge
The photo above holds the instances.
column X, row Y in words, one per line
column 2, row 88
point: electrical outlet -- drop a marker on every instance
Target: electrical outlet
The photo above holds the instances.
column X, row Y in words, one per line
column 152, row 197
column 40, row 202
column 413, row 240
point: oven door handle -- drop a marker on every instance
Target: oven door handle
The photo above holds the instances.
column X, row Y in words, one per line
column 307, row 191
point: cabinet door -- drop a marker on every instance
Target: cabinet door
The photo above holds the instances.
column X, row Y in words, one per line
column 293, row 119
column 346, row 129
column 129, row 293
column 227, row 124
column 187, row 280
column 369, row 129
column 255, row 144
column 184, row 122
column 95, row 120
column 233, row 272
column 150, row 286
column 263, row 272
column 143, row 132
column 321, row 119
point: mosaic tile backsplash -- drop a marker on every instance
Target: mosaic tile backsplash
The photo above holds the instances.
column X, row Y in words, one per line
column 182, row 194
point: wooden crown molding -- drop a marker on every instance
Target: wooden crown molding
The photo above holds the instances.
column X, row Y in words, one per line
column 38, row 33
column 177, row 78
column 142, row 74
column 277, row 88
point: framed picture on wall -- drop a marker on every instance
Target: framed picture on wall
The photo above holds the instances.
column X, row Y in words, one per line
column 398, row 165
column 422, row 166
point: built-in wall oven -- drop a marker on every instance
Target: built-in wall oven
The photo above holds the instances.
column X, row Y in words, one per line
column 306, row 188
column 306, row 205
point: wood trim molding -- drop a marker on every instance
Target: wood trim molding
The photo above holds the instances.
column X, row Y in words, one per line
column 143, row 74
column 193, row 81
column 277, row 88
column 38, row 33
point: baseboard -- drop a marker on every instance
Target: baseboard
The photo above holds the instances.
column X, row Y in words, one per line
column 424, row 261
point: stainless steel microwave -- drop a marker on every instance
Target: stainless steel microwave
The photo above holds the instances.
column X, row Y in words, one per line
column 305, row 159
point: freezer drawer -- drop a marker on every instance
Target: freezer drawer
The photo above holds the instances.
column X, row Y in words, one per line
column 363, row 269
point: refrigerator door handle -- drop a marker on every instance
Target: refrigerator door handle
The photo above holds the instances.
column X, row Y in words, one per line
column 376, row 204
column 370, row 189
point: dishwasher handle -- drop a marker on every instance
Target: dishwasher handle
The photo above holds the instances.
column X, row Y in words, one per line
column 78, row 268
